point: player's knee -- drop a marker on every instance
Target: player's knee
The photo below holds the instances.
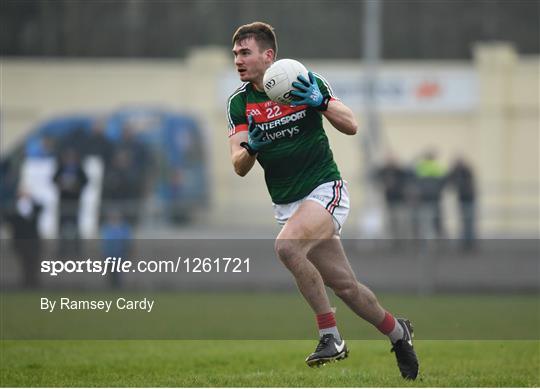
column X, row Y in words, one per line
column 286, row 250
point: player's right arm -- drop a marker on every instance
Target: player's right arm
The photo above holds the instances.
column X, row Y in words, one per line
column 241, row 159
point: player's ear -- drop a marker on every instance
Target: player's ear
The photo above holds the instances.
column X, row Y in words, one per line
column 269, row 55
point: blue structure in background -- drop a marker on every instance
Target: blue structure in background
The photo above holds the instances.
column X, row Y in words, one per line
column 53, row 130
column 174, row 141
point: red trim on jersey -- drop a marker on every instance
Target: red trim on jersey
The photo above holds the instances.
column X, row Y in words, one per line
column 388, row 324
column 326, row 320
column 238, row 128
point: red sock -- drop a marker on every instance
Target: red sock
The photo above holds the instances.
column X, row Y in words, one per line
column 388, row 324
column 326, row 320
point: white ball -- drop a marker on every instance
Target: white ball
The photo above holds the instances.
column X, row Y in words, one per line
column 279, row 77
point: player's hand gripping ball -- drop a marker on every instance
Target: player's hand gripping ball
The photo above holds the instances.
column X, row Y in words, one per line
column 307, row 92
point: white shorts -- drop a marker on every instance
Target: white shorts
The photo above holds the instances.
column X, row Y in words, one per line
column 333, row 196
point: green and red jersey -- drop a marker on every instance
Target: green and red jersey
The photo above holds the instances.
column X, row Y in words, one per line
column 299, row 158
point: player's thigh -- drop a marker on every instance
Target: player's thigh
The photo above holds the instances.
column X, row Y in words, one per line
column 306, row 227
column 329, row 257
column 310, row 221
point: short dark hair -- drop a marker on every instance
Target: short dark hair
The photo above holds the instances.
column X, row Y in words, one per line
column 263, row 33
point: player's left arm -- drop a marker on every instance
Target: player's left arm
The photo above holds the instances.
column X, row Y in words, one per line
column 316, row 93
column 341, row 117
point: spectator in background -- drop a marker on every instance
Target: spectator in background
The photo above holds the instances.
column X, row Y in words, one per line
column 141, row 164
column 10, row 178
column 430, row 178
column 70, row 180
column 90, row 142
column 393, row 180
column 461, row 178
column 139, row 153
column 121, row 186
column 116, row 241
column 98, row 144
column 23, row 219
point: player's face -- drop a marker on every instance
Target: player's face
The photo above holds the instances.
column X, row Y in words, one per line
column 250, row 61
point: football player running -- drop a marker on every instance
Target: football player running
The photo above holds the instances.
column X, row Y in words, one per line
column 310, row 198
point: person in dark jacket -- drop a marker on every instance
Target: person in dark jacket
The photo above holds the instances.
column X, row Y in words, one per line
column 70, row 179
column 116, row 241
column 393, row 180
column 461, row 178
column 23, row 220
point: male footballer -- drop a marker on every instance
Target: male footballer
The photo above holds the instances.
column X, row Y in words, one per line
column 309, row 196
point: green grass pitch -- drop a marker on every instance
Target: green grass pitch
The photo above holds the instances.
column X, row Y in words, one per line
column 262, row 363
column 461, row 340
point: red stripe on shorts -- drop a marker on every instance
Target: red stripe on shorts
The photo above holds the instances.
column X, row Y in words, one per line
column 337, row 197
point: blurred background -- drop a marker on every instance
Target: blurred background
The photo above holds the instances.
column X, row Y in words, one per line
column 113, row 127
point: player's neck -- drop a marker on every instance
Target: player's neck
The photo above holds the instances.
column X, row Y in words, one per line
column 258, row 85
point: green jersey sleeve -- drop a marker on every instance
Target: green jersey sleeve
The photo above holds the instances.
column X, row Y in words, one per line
column 236, row 111
column 325, row 87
